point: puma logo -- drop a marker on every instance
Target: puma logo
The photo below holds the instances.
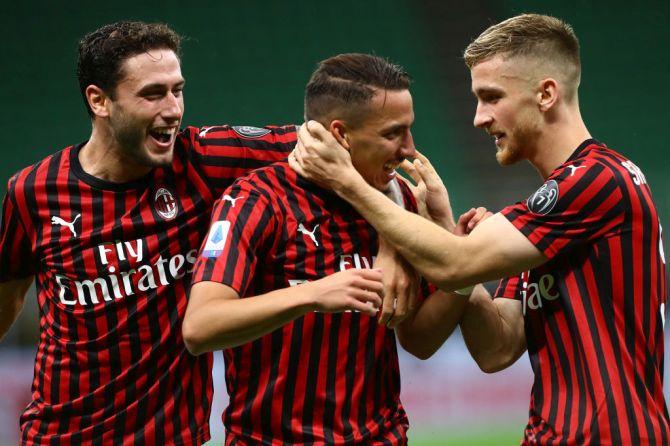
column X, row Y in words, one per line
column 303, row 229
column 573, row 168
column 70, row 226
column 231, row 199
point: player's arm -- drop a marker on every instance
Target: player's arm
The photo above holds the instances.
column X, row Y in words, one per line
column 494, row 249
column 493, row 330
column 217, row 318
column 16, row 261
column 425, row 330
column 12, row 296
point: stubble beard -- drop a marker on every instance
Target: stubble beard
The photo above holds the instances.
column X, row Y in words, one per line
column 520, row 142
column 130, row 140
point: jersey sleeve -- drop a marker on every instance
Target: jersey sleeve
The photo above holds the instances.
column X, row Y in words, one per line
column 16, row 257
column 580, row 202
column 242, row 229
column 225, row 153
column 510, row 288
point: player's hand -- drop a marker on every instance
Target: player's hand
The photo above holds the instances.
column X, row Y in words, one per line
column 353, row 289
column 401, row 283
column 470, row 219
column 320, row 158
column 430, row 193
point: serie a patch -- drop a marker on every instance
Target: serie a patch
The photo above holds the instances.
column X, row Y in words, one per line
column 544, row 199
column 216, row 239
column 249, row 131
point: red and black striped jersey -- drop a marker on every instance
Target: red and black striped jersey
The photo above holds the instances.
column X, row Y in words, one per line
column 322, row 378
column 594, row 313
column 112, row 264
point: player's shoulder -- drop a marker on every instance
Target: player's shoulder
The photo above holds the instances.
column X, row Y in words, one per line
column 594, row 163
column 272, row 180
column 238, row 136
column 27, row 177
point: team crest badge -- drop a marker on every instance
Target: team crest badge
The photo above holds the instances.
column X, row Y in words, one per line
column 216, row 239
column 544, row 199
column 250, row 132
column 165, row 204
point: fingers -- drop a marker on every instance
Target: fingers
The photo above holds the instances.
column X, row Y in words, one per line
column 463, row 220
column 367, row 296
column 427, row 172
column 317, row 130
column 374, row 274
column 388, row 307
column 480, row 215
column 407, row 167
column 470, row 219
column 295, row 161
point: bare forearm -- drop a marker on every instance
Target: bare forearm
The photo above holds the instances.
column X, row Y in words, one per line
column 219, row 323
column 430, row 249
column 12, row 296
column 217, row 318
column 493, row 331
column 424, row 333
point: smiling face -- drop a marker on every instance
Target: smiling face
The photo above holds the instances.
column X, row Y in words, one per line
column 507, row 106
column 382, row 139
column 147, row 107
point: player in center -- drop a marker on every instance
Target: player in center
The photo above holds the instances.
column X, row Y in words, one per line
column 305, row 361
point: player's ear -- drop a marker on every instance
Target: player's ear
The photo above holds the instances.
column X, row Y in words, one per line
column 547, row 94
column 98, row 101
column 339, row 130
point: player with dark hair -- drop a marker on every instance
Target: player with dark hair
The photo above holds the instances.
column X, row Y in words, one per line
column 587, row 286
column 303, row 364
column 110, row 228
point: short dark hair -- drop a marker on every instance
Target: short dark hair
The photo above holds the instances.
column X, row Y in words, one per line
column 103, row 51
column 347, row 80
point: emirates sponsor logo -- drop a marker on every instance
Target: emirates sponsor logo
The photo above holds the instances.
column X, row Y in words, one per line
column 347, row 261
column 165, row 204
column 115, row 284
column 534, row 293
column 355, row 260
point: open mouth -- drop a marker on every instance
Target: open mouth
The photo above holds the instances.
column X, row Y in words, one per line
column 391, row 165
column 162, row 134
column 497, row 137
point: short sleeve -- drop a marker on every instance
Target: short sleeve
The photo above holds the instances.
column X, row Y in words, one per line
column 510, row 288
column 242, row 227
column 580, row 202
column 224, row 153
column 16, row 257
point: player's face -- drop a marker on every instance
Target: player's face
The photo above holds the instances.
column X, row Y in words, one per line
column 507, row 107
column 148, row 106
column 383, row 138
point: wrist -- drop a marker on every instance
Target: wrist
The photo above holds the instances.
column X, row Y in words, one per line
column 349, row 185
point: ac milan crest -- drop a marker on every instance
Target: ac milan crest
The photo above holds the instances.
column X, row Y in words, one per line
column 165, row 204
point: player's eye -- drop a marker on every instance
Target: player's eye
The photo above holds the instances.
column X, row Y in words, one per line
column 153, row 95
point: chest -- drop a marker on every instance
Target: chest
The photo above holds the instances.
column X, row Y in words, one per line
column 321, row 243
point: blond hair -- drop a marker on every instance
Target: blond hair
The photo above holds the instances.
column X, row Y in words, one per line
column 544, row 39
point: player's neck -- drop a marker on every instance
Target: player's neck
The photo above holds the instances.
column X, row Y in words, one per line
column 102, row 158
column 558, row 141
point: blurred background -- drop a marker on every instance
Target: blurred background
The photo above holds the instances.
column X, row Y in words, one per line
column 246, row 63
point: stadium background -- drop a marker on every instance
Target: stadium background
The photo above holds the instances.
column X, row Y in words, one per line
column 246, row 63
